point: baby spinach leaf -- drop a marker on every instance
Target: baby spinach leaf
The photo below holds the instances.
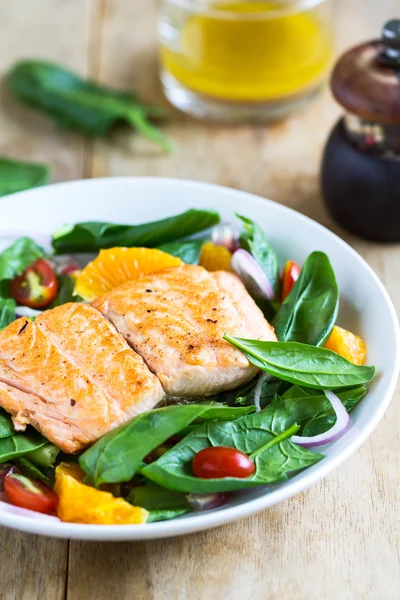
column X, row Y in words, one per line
column 166, row 514
column 255, row 241
column 302, row 364
column 155, row 497
column 20, row 444
column 66, row 285
column 6, row 425
column 7, row 311
column 77, row 103
column 309, row 313
column 303, row 404
column 263, row 435
column 319, row 424
column 188, row 251
column 116, row 456
column 17, row 257
column 245, row 395
column 93, row 236
column 16, row 175
column 30, row 470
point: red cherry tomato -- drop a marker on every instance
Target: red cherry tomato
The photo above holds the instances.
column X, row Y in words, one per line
column 290, row 275
column 30, row 494
column 37, row 286
column 218, row 461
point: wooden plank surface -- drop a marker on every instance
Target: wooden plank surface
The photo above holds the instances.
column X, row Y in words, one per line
column 339, row 539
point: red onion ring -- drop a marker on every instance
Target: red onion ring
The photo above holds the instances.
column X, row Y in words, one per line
column 340, row 427
column 258, row 389
column 224, row 235
column 251, row 274
column 207, row 501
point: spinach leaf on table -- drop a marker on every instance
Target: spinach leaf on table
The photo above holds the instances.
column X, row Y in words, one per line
column 17, row 257
column 78, row 103
column 93, row 236
column 309, row 313
column 16, row 176
column 255, row 241
column 303, row 364
column 117, row 456
column 188, row 251
column 263, row 435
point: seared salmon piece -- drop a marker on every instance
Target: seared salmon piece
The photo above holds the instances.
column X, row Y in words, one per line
column 72, row 376
column 176, row 319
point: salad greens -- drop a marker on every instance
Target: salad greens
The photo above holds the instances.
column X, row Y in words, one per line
column 264, row 435
column 302, row 364
column 16, row 176
column 310, row 311
column 117, row 456
column 89, row 237
column 149, row 460
column 78, row 103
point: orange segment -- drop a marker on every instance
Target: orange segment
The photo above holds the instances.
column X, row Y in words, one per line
column 215, row 258
column 115, row 266
column 348, row 345
column 80, row 503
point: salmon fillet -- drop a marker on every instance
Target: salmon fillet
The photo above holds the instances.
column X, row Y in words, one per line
column 176, row 318
column 72, row 376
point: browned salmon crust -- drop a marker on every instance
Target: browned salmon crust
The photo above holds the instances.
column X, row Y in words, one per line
column 72, row 376
column 176, row 319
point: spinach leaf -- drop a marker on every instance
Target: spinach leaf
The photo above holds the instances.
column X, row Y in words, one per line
column 188, row 251
column 30, row 470
column 17, row 257
column 263, row 435
column 155, row 497
column 20, row 444
column 302, row 364
column 6, row 425
column 309, row 313
column 166, row 514
column 319, row 424
column 255, row 241
column 16, row 176
column 66, row 285
column 45, row 456
column 245, row 395
column 116, row 456
column 77, row 103
column 303, row 404
column 93, row 236
column 7, row 311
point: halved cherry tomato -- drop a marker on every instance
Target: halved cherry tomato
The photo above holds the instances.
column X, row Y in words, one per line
column 37, row 286
column 290, row 275
column 219, row 461
column 29, row 493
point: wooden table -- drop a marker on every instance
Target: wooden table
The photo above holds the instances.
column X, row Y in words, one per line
column 339, row 539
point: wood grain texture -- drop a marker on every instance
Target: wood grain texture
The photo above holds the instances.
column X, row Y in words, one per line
column 340, row 538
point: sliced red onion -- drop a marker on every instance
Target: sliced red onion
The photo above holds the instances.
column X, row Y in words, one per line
column 224, row 235
column 340, row 427
column 64, row 264
column 252, row 275
column 26, row 311
column 207, row 501
column 258, row 389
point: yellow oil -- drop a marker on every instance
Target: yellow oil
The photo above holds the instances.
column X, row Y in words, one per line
column 250, row 59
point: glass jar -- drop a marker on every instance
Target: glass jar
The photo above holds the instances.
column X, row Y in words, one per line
column 244, row 60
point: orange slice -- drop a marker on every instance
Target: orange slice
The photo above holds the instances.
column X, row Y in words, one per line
column 115, row 266
column 348, row 345
column 80, row 503
column 215, row 258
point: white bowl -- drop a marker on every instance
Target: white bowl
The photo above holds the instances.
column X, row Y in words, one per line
column 365, row 308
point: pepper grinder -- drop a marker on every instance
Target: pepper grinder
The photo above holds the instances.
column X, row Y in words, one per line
column 361, row 164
